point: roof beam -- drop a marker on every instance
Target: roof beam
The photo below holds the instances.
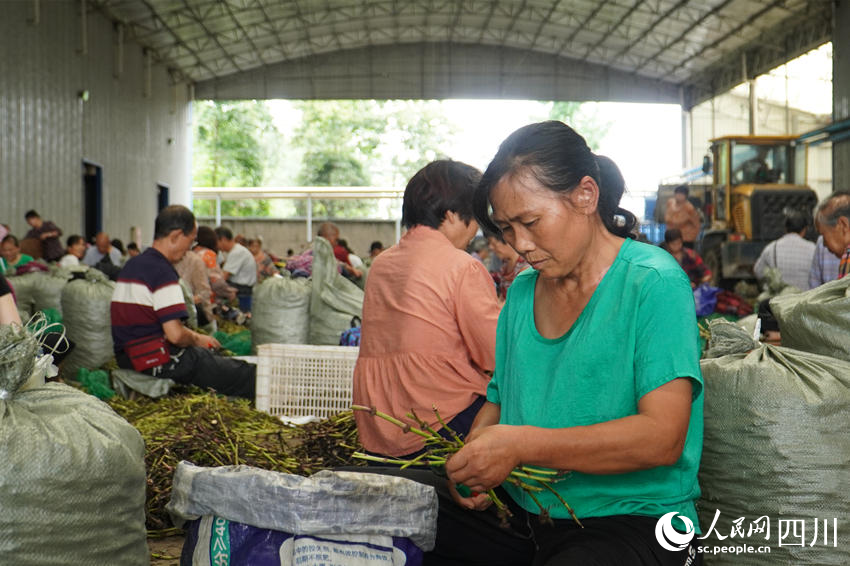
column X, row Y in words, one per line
column 794, row 36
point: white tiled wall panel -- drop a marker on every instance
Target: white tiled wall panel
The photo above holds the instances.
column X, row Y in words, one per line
column 46, row 130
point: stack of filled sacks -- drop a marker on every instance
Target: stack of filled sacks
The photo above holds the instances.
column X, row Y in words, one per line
column 777, row 436
column 281, row 311
column 86, row 315
column 334, row 300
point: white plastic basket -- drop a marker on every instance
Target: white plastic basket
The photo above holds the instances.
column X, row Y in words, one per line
column 298, row 380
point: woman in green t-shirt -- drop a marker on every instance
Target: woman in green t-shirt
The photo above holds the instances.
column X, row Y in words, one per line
column 597, row 373
column 10, row 249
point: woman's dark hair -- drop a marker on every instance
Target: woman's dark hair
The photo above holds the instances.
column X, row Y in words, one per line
column 119, row 245
column 73, row 239
column 672, row 235
column 439, row 187
column 11, row 238
column 558, row 157
column 207, row 238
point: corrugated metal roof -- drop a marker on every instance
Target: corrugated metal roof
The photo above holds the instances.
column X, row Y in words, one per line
column 700, row 45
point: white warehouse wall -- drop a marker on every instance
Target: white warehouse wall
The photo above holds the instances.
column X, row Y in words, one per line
column 46, row 130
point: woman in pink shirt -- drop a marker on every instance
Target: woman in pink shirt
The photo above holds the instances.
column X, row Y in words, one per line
column 429, row 316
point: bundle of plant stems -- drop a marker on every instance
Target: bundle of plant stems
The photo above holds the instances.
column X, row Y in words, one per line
column 212, row 430
column 438, row 449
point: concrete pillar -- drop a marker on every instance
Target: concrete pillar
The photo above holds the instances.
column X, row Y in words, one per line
column 841, row 92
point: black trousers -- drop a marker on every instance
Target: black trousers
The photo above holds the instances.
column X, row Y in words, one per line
column 475, row 538
column 204, row 368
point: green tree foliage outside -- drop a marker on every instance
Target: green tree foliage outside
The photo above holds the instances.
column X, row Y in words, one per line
column 365, row 142
column 230, row 151
column 582, row 119
column 335, row 143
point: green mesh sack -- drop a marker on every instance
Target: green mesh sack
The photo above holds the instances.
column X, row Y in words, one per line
column 334, row 299
column 96, row 382
column 86, row 314
column 818, row 320
column 281, row 311
column 776, row 444
column 239, row 342
column 72, row 473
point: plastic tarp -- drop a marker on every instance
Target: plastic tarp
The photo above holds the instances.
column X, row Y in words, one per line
column 85, row 308
column 334, row 300
column 776, row 445
column 281, row 311
column 818, row 320
column 125, row 381
column 327, row 503
column 72, row 472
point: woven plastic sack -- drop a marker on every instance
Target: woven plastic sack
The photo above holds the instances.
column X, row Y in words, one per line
column 189, row 299
column 85, row 308
column 818, row 320
column 211, row 541
column 47, row 292
column 24, row 288
column 72, row 473
column 776, row 445
column 327, row 503
column 281, row 311
column 334, row 299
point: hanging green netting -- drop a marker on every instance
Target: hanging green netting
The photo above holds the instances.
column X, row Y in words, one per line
column 96, row 382
column 239, row 343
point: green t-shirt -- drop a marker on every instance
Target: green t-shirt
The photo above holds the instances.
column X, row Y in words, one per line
column 10, row 269
column 637, row 332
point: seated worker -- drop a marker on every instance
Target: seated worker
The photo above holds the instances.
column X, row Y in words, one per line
column 512, row 264
column 239, row 267
column 148, row 310
column 683, row 216
column 429, row 316
column 12, row 258
column 375, row 249
column 133, row 249
column 597, row 373
column 104, row 256
column 690, row 261
column 791, row 254
column 48, row 233
column 75, row 252
column 833, row 222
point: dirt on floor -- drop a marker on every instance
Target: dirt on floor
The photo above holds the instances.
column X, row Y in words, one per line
column 166, row 551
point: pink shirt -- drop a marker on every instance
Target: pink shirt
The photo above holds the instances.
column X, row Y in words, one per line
column 429, row 333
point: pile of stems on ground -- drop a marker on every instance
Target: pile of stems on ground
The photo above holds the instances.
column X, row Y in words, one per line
column 211, row 430
column 438, row 449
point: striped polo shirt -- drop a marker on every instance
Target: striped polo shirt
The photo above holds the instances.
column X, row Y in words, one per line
column 147, row 294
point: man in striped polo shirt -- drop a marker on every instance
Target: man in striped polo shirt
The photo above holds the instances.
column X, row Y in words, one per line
column 148, row 303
